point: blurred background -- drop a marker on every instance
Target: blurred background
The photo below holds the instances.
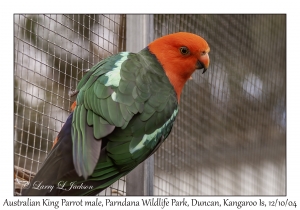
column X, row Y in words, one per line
column 230, row 135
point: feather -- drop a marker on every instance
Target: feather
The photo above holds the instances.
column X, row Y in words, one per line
column 106, row 173
column 132, row 109
column 147, row 113
column 89, row 119
column 126, row 114
column 115, row 113
column 118, row 148
column 134, row 93
column 125, row 99
column 102, row 91
column 91, row 151
column 139, row 106
column 103, row 106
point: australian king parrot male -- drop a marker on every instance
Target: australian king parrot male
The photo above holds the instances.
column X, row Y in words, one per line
column 125, row 108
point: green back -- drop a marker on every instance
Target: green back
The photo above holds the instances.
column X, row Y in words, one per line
column 126, row 107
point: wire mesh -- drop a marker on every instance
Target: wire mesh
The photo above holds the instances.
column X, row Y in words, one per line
column 230, row 135
column 51, row 52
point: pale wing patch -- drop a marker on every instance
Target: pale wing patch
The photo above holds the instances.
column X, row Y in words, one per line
column 151, row 137
column 114, row 75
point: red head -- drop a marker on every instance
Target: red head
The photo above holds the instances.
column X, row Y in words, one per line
column 181, row 54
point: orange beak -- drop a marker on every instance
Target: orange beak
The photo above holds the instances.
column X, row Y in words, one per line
column 203, row 62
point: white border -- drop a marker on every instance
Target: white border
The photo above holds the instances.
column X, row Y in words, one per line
column 55, row 6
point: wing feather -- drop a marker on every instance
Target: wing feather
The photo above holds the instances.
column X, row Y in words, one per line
column 124, row 102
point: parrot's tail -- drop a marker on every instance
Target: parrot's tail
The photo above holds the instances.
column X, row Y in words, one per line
column 57, row 176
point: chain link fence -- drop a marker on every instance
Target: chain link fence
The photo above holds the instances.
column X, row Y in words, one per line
column 51, row 52
column 230, row 135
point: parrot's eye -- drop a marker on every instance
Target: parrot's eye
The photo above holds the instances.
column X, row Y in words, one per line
column 203, row 53
column 184, row 50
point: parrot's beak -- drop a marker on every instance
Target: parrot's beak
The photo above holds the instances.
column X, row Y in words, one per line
column 200, row 65
column 204, row 70
column 203, row 62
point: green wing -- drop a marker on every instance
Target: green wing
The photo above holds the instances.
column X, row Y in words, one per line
column 126, row 107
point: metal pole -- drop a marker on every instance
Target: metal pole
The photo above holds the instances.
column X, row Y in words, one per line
column 139, row 33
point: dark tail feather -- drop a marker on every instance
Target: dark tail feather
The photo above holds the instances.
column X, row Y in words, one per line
column 58, row 163
column 57, row 176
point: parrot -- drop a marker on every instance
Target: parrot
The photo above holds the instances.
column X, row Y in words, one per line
column 124, row 110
